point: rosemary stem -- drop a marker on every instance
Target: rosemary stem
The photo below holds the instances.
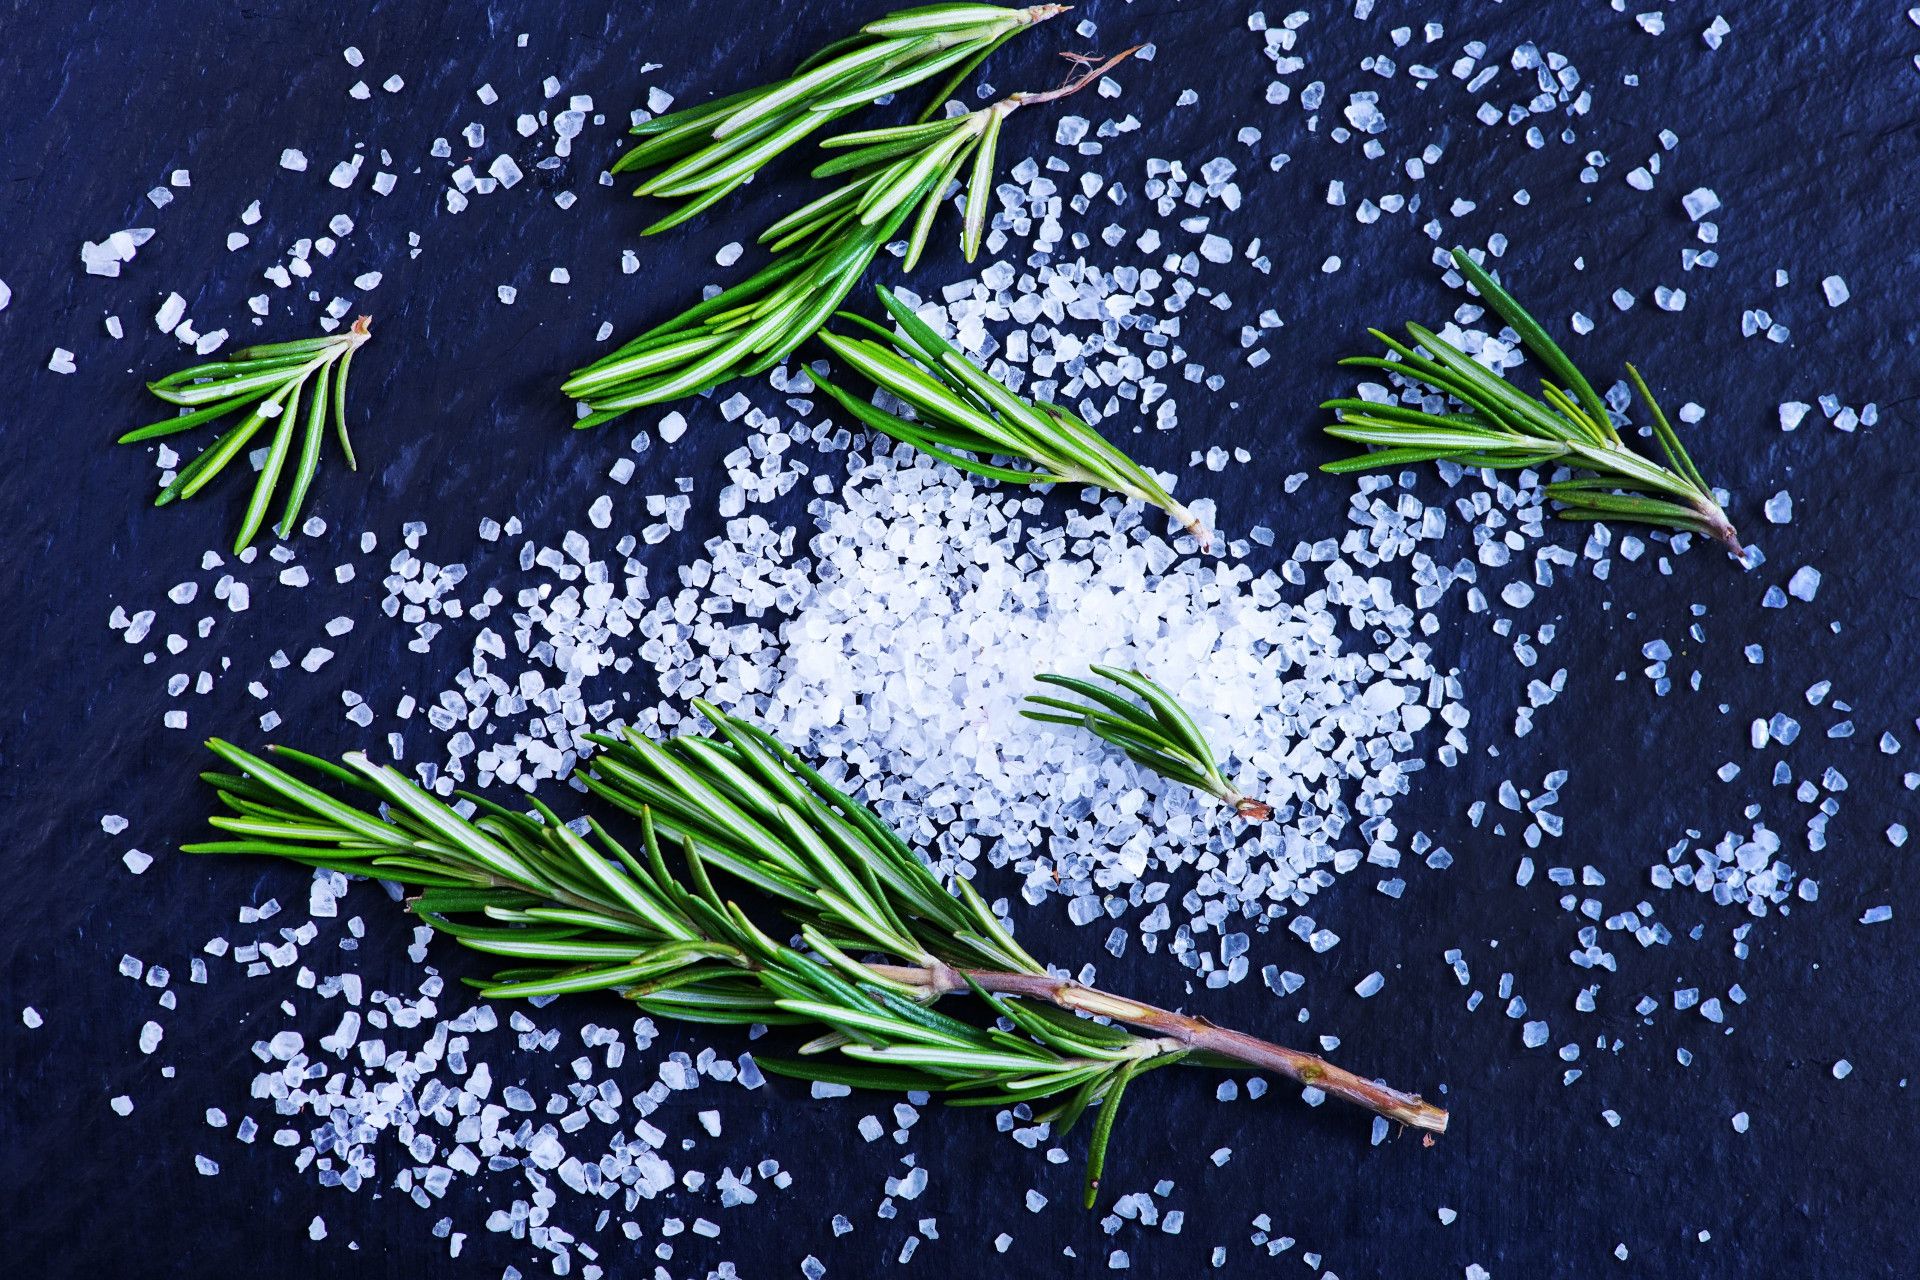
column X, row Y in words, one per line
column 1195, row 1033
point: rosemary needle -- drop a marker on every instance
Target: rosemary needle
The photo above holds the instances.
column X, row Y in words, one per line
column 1494, row 424
column 296, row 386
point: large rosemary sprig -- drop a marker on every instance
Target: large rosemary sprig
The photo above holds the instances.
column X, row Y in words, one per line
column 964, row 417
column 700, row 154
column 1498, row 425
column 272, row 379
column 880, row 939
column 1156, row 732
column 819, row 252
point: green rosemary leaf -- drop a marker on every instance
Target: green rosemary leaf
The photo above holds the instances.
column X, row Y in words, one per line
column 270, row 470
column 1103, row 1129
column 309, row 463
column 1535, row 337
column 890, row 1079
column 980, row 189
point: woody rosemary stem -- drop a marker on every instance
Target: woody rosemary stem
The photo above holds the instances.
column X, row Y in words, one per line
column 1196, row 1033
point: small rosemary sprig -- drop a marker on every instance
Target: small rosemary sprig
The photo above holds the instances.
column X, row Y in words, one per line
column 1156, row 733
column 879, row 938
column 700, row 154
column 963, row 417
column 819, row 252
column 272, row 379
column 1498, row 425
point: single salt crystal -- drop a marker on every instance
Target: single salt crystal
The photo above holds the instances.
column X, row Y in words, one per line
column 1533, row 1034
column 30, row 1016
column 1369, row 986
column 150, row 1036
column 317, row 1229
column 1842, row 1069
column 504, row 169
column 61, row 361
column 1805, row 583
column 122, row 1105
column 1792, row 413
column 172, row 308
column 672, row 427
column 353, row 56
column 393, row 84
column 1699, row 202
column 367, row 280
column 1877, row 915
column 136, row 861
column 6, row 295
column 1836, row 290
column 293, row 159
column 113, row 824
column 507, row 293
column 728, row 254
column 1740, row 1122
column 1779, row 508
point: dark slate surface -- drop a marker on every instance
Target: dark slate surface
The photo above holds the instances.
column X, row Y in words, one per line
column 1804, row 123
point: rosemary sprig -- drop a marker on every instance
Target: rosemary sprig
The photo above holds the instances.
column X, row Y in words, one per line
column 1156, row 732
column 1498, row 425
column 271, row 379
column 960, row 411
column 880, row 939
column 700, row 154
column 819, row 252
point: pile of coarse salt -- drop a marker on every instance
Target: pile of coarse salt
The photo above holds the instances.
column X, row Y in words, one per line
column 935, row 601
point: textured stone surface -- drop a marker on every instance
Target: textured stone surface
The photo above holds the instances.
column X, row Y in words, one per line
column 1802, row 123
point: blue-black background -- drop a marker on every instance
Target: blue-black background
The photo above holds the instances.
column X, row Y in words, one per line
column 1806, row 122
